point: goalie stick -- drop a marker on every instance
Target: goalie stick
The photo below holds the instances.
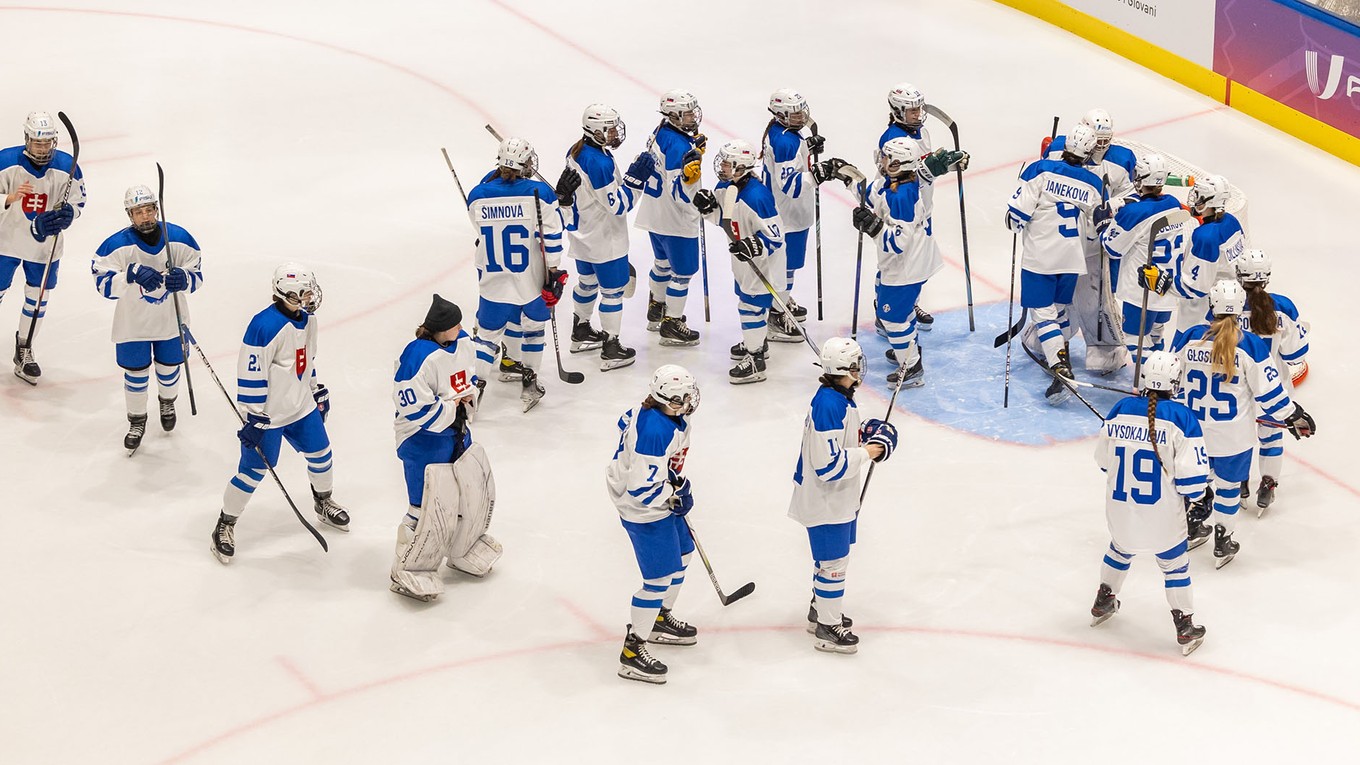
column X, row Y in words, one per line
column 939, row 114
column 174, row 296
column 65, row 195
column 726, row 600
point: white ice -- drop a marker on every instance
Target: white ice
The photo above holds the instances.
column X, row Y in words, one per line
column 311, row 131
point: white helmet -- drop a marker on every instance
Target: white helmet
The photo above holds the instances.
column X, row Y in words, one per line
column 1100, row 121
column 296, row 285
column 673, row 384
column 898, row 157
column 1208, row 193
column 40, row 137
column 604, row 125
column 1161, row 371
column 1227, row 297
column 789, row 108
column 734, row 160
column 843, row 356
column 138, row 196
column 1081, row 141
column 517, row 154
column 1253, row 266
column 682, row 110
column 1150, row 171
column 905, row 103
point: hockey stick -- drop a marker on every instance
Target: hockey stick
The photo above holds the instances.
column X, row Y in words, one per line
column 1104, row 201
column 204, row 358
column 1072, row 384
column 726, row 600
column 1013, row 327
column 174, row 296
column 65, row 195
column 869, row 476
column 497, row 136
column 859, row 269
column 572, row 378
column 456, row 182
column 1156, row 230
column 817, row 222
column 939, row 114
column 728, row 206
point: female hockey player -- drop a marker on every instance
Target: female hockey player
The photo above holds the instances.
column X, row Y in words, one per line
column 145, row 269
column 1229, row 375
column 835, row 453
column 786, row 158
column 647, row 484
column 1275, row 319
column 279, row 398
column 1151, row 450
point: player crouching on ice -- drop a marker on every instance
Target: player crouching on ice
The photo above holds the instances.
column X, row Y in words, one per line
column 647, row 485
column 449, row 485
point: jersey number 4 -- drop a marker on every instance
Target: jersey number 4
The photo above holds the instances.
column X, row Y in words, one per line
column 514, row 250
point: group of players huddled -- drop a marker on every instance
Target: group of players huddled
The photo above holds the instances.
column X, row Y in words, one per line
column 1104, row 249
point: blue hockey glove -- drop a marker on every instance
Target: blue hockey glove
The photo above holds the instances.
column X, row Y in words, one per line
column 1014, row 222
column 253, row 431
column 322, row 396
column 149, row 278
column 746, row 249
column 1102, row 216
column 640, row 171
column 177, row 280
column 52, row 222
column 705, row 202
column 876, row 431
column 1154, row 278
column 683, row 501
column 865, row 221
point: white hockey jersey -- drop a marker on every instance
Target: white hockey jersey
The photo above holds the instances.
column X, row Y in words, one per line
column 921, row 137
column 785, row 170
column 141, row 315
column 510, row 263
column 429, row 382
column 1126, row 242
column 755, row 215
column 1143, row 495
column 652, row 449
column 667, row 205
column 1214, row 249
column 1054, row 202
column 1227, row 408
column 1116, row 166
column 906, row 253
column 831, row 462
column 16, row 220
column 274, row 372
column 597, row 221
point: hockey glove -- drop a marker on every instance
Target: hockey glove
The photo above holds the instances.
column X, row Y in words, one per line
column 876, row 431
column 322, row 396
column 177, row 280
column 640, row 171
column 149, row 278
column 746, row 249
column 1014, row 222
column 692, row 165
column 52, row 222
column 253, row 431
column 682, row 501
column 1102, row 216
column 552, row 291
column 705, row 202
column 829, row 170
column 1043, row 146
column 815, row 144
column 567, row 184
column 1154, row 278
column 1301, row 423
column 943, row 160
column 866, row 222
column 700, row 142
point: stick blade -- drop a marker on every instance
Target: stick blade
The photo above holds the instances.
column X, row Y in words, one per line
column 71, row 132
column 741, row 592
column 571, row 378
column 939, row 114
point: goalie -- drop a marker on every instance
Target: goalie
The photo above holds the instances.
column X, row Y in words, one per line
column 449, row 485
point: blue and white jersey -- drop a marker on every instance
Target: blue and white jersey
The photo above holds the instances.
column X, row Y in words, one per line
column 1289, row 343
column 831, row 462
column 906, row 253
column 430, row 382
column 16, row 220
column 652, row 448
column 597, row 222
column 1116, row 166
column 509, row 258
column 1214, row 249
column 667, row 206
column 142, row 315
column 1054, row 201
column 1143, row 495
column 755, row 215
column 785, row 166
column 922, row 138
column 274, row 372
column 1126, row 242
column 1226, row 408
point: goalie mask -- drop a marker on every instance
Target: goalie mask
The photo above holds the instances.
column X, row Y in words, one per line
column 843, row 356
column 790, row 109
column 296, row 286
column 518, row 155
column 1161, row 371
column 674, row 385
column 681, row 109
column 898, row 157
column 735, row 160
column 1253, row 266
column 141, row 206
column 906, row 104
column 604, row 126
column 40, row 138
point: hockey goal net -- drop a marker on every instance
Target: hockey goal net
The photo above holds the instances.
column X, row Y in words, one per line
column 1183, row 174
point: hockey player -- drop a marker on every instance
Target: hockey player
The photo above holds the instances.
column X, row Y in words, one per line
column 1229, row 375
column 759, row 246
column 597, row 225
column 146, row 269
column 1132, row 273
column 1151, row 450
column 834, row 456
column 666, row 211
column 279, row 398
column 1216, row 244
column 1275, row 319
column 33, row 178
column 1055, row 203
column 517, row 274
column 647, row 483
column 449, row 486
column 786, row 168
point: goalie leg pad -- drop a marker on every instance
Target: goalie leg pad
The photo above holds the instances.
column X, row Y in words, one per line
column 420, row 550
column 478, row 560
column 470, row 549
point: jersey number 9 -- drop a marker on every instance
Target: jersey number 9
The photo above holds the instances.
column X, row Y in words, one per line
column 514, row 249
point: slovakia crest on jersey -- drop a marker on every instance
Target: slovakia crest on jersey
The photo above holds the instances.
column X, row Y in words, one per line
column 300, row 362
column 33, row 204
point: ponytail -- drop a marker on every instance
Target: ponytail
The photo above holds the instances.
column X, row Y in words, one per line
column 575, row 150
column 764, row 137
column 423, row 334
column 1262, row 307
column 1226, row 333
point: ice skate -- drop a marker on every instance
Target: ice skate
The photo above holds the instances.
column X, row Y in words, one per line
column 738, row 351
column 1058, row 391
column 656, row 311
column 1265, row 494
column 635, row 663
column 669, row 630
column 1244, row 494
column 675, row 332
column 1106, row 605
column 401, row 589
column 1197, row 533
column 846, row 621
column 615, row 355
column 533, row 389
column 167, row 414
column 585, row 337
column 25, row 368
column 328, row 512
column 224, row 538
column 835, row 638
column 1225, row 549
column 751, row 369
column 784, row 329
column 1188, row 634
column 800, row 313
column 924, row 321
column 911, row 377
column 510, row 369
column 136, row 430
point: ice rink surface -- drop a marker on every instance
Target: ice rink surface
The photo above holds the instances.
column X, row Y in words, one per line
column 311, row 131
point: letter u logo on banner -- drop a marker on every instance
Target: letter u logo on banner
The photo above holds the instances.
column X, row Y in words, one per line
column 1333, row 74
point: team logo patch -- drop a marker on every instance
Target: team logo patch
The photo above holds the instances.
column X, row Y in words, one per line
column 33, row 204
column 300, row 362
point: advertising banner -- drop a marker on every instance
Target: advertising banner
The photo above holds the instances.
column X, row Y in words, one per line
column 1184, row 27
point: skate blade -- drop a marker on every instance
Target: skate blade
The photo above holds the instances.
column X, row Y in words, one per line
column 923, row 327
column 1225, row 560
column 653, row 326
column 223, row 559
column 332, row 524
column 628, row 673
column 919, row 382
column 1059, row 399
column 616, row 364
column 403, row 591
column 669, row 343
column 132, row 451
column 585, row 347
column 1096, row 621
column 664, row 639
column 1189, row 648
column 511, row 377
column 826, row 647
column 1196, row 543
column 1261, row 510
column 783, row 338
column 755, row 378
column 530, row 404
column 30, row 380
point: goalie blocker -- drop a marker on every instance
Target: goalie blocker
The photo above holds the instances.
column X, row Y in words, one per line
column 455, row 515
